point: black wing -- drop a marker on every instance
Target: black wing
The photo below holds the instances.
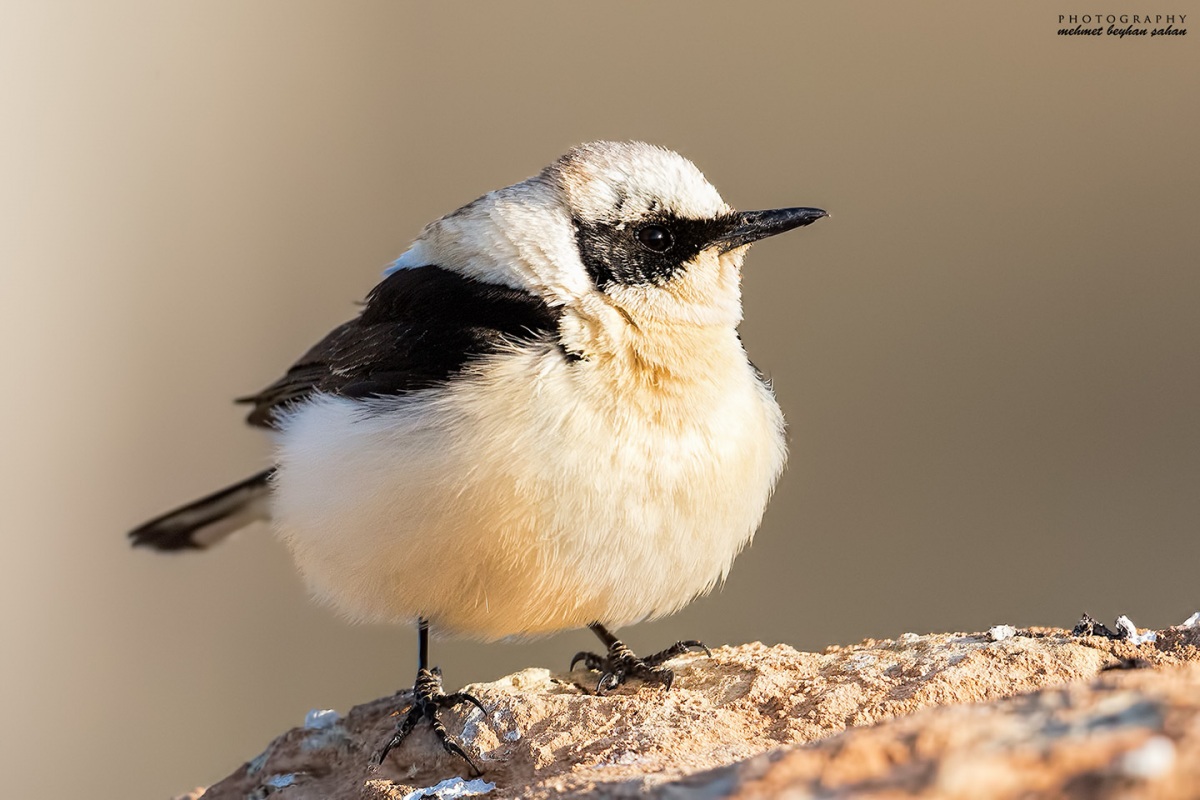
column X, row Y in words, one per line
column 419, row 327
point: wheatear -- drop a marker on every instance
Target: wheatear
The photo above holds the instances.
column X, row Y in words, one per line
column 542, row 419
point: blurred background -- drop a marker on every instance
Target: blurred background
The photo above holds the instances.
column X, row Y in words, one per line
column 989, row 357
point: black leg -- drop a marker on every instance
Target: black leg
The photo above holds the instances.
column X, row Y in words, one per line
column 428, row 701
column 620, row 664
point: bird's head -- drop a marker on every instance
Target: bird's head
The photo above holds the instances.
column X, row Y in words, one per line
column 625, row 224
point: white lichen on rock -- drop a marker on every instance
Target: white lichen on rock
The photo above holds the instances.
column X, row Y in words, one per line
column 320, row 719
column 998, row 633
column 280, row 781
column 453, row 788
column 1129, row 632
column 1153, row 759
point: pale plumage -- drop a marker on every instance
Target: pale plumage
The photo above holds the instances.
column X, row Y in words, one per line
column 542, row 419
column 537, row 492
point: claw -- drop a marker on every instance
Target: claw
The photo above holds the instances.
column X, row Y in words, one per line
column 677, row 649
column 607, row 682
column 454, row 749
column 402, row 731
column 620, row 663
column 463, row 697
column 448, row 744
column 428, row 701
column 590, row 661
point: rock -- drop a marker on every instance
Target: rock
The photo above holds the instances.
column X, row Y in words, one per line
column 1126, row 734
column 1049, row 713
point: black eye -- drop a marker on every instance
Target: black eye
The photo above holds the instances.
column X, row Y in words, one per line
column 656, row 238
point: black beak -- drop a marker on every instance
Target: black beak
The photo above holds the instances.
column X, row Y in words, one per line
column 750, row 226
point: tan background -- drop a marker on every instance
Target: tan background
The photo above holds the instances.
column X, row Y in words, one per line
column 989, row 356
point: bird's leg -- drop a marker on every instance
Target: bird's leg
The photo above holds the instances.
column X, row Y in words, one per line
column 620, row 664
column 428, row 701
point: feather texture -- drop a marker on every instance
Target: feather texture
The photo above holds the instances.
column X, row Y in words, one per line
column 418, row 328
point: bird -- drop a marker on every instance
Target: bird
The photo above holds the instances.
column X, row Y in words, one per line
column 542, row 419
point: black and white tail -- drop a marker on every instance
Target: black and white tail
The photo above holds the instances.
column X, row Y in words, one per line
column 204, row 522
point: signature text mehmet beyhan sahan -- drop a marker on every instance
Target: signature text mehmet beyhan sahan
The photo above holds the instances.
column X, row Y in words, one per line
column 1129, row 21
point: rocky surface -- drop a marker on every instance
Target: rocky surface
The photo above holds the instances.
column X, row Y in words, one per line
column 1007, row 713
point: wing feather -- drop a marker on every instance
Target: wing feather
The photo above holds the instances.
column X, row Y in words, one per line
column 419, row 327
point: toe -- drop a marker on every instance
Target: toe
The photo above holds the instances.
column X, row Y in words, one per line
column 609, row 681
column 461, row 697
column 590, row 661
column 661, row 675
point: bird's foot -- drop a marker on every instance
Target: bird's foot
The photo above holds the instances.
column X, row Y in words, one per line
column 620, row 664
column 428, row 701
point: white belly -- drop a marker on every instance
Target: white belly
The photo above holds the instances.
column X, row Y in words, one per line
column 527, row 499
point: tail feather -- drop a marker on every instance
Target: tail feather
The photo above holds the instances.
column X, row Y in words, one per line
column 204, row 522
